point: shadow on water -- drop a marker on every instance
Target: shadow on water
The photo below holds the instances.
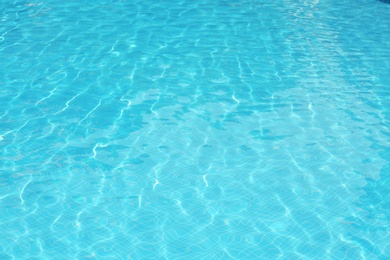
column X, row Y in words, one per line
column 385, row 1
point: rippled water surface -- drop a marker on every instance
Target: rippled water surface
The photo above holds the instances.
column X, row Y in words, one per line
column 210, row 129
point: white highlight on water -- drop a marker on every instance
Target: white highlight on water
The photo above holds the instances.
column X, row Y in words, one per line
column 90, row 112
column 235, row 99
column 155, row 184
column 21, row 192
column 181, row 208
column 205, row 181
column 96, row 146
column 126, row 108
column 57, row 218
column 77, row 222
column 67, row 103
column 311, row 109
column 51, row 94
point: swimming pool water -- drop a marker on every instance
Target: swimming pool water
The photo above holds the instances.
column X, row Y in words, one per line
column 194, row 129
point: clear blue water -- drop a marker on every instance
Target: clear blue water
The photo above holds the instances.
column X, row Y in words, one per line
column 202, row 129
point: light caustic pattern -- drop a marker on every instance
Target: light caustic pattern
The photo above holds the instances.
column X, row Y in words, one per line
column 194, row 129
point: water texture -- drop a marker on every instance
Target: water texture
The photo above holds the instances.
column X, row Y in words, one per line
column 194, row 129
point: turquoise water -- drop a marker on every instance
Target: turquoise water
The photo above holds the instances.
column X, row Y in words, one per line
column 195, row 129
